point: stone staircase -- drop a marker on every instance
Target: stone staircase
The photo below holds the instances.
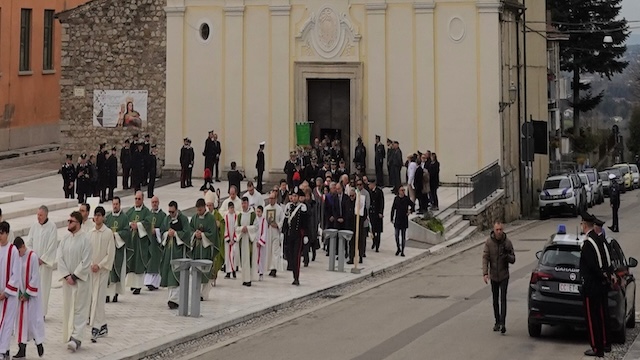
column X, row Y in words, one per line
column 455, row 227
column 20, row 211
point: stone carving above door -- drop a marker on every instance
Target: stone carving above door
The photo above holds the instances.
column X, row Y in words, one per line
column 327, row 35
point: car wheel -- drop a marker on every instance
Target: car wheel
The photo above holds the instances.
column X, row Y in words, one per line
column 620, row 336
column 535, row 330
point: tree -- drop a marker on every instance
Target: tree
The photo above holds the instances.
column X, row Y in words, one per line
column 587, row 22
column 633, row 141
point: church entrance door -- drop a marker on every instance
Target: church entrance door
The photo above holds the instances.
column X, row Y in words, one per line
column 329, row 108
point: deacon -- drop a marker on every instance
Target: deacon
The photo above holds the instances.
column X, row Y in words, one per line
column 10, row 276
column 260, row 166
column 103, row 252
column 246, row 230
column 174, row 247
column 230, row 238
column 295, row 233
column 259, row 254
column 43, row 239
column 203, row 240
column 275, row 219
column 118, row 222
column 152, row 276
column 30, row 324
column 212, row 199
column 139, row 217
column 74, row 264
column 68, row 172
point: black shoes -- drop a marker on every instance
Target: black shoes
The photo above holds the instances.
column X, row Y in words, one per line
column 136, row 291
column 108, row 299
column 615, row 230
column 590, row 352
column 397, row 252
column 607, row 349
column 40, row 349
column 296, row 283
column 402, row 254
column 272, row 273
column 503, row 329
column 172, row 305
column 496, row 327
column 22, row 352
column 115, row 298
column 151, row 287
column 247, row 284
column 228, row 276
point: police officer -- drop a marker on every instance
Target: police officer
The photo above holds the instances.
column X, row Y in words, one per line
column 596, row 279
column 68, row 172
column 614, row 196
column 598, row 227
column 125, row 160
column 153, row 164
column 295, row 232
column 83, row 175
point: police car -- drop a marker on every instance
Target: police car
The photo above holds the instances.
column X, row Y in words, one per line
column 562, row 194
column 554, row 288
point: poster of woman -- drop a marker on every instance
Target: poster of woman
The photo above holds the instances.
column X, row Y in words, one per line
column 120, row 108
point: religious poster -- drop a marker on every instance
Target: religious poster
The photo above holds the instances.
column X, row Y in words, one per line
column 120, row 108
column 271, row 216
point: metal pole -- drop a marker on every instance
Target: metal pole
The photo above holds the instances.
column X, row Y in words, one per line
column 183, row 308
column 331, row 236
column 195, row 290
column 356, row 258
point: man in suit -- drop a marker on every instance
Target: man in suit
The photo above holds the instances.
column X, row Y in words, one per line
column 376, row 212
column 396, row 166
column 260, row 166
column 147, row 158
column 125, row 160
column 153, row 163
column 390, row 151
column 379, row 160
column 614, row 196
column 217, row 150
column 209, row 152
column 112, row 174
column 187, row 157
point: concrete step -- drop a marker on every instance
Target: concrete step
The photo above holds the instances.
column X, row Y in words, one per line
column 452, row 221
column 29, row 207
column 445, row 215
column 9, row 197
column 20, row 226
column 457, row 230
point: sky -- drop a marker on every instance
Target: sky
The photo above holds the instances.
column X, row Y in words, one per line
column 631, row 11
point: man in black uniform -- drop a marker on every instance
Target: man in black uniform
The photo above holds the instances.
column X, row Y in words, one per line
column 598, row 224
column 360, row 158
column 209, row 152
column 187, row 157
column 147, row 158
column 290, row 168
column 112, row 174
column 379, row 159
column 68, row 172
column 125, row 160
column 614, row 196
column 153, row 163
column 390, row 151
column 217, row 150
column 234, row 176
column 101, row 162
column 260, row 166
column 83, row 175
column 137, row 166
column 294, row 230
column 596, row 278
column 376, row 213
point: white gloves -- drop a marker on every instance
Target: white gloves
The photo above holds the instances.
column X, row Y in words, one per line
column 305, row 240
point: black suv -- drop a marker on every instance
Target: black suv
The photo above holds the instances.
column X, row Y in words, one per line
column 554, row 289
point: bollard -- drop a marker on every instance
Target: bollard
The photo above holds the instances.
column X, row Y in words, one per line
column 331, row 235
column 183, row 265
column 344, row 236
column 198, row 267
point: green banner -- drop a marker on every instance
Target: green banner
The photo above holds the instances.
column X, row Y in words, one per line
column 303, row 134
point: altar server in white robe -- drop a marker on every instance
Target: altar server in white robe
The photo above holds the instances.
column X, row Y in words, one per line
column 43, row 239
column 74, row 265
column 103, row 250
column 259, row 256
column 247, row 231
column 30, row 324
column 275, row 218
column 10, row 274
column 230, row 238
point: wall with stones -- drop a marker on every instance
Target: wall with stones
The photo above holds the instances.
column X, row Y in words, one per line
column 111, row 45
column 486, row 219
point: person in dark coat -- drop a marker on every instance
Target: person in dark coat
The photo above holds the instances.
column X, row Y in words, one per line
column 95, row 188
column 101, row 168
column 112, row 174
column 434, row 181
column 147, row 158
column 235, row 177
column 402, row 207
column 290, row 168
column 137, row 166
column 295, row 232
column 360, row 158
column 390, row 151
column 614, row 197
column 68, row 172
column 396, row 166
column 153, row 164
column 376, row 212
column 311, row 172
column 125, row 160
column 217, row 150
column 187, row 156
column 417, row 185
column 379, row 161
column 83, row 176
column 209, row 152
column 260, row 165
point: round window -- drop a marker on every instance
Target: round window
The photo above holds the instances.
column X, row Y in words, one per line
column 205, row 31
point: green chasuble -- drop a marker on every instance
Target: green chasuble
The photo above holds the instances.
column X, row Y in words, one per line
column 155, row 246
column 173, row 248
column 120, row 226
column 218, row 260
column 138, row 246
column 205, row 248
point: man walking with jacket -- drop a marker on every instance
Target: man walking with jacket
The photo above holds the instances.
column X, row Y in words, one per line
column 497, row 255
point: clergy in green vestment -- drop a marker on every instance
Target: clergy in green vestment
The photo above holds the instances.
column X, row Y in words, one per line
column 175, row 245
column 138, row 248
column 118, row 222
column 212, row 201
column 152, row 276
column 203, row 240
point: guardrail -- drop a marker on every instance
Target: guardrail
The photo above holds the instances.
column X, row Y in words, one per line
column 475, row 188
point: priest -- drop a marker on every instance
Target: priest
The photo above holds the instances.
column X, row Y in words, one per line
column 275, row 218
column 74, row 262
column 103, row 251
column 246, row 230
column 212, row 199
column 294, row 230
column 30, row 325
column 43, row 239
column 10, row 275
column 118, row 222
column 139, row 223
column 152, row 276
column 203, row 239
column 175, row 245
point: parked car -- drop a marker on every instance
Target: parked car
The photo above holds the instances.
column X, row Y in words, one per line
column 561, row 194
column 604, row 177
column 584, row 180
column 555, row 285
column 635, row 175
column 596, row 185
column 626, row 173
column 619, row 178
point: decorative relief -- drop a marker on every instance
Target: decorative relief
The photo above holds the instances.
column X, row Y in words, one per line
column 457, row 29
column 328, row 34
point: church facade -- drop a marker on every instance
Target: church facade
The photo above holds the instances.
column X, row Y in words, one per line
column 428, row 74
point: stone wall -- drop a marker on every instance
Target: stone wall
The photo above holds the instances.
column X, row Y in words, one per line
column 111, row 45
column 485, row 219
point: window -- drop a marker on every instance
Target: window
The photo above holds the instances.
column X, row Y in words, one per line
column 557, row 184
column 25, row 40
column 47, row 55
column 566, row 256
column 205, row 31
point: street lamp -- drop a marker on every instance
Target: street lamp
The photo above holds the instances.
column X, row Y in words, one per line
column 513, row 92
